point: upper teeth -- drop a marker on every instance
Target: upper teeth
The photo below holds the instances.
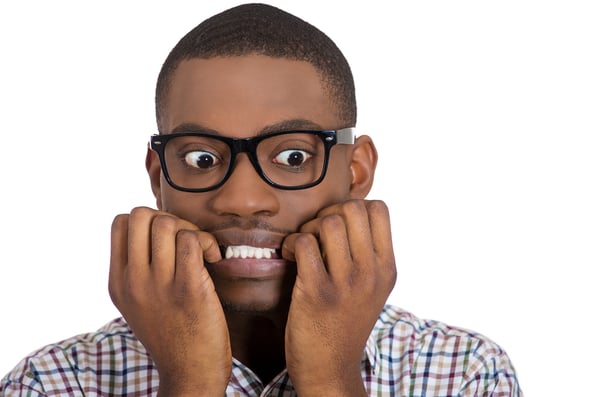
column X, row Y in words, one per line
column 246, row 251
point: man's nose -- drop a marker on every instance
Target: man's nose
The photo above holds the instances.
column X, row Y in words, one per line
column 245, row 193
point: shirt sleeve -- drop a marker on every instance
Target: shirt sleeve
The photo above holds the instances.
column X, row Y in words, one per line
column 20, row 382
column 490, row 374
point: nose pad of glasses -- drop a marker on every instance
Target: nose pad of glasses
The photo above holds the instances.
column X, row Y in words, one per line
column 244, row 159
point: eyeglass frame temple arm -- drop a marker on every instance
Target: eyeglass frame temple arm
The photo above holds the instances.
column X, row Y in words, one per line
column 346, row 136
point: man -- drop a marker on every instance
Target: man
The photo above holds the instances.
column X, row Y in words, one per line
column 263, row 271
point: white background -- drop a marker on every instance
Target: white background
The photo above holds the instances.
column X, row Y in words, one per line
column 484, row 117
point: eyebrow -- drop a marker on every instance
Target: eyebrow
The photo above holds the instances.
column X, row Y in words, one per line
column 284, row 125
column 193, row 127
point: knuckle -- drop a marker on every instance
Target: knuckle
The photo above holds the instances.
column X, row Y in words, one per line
column 208, row 244
column 391, row 276
column 304, row 240
column 328, row 296
column 318, row 293
column 186, row 245
column 141, row 212
column 366, row 280
column 185, row 236
column 119, row 221
column 183, row 292
column 195, row 289
column 114, row 293
column 135, row 293
column 354, row 207
column 207, row 239
column 378, row 207
column 332, row 222
column 164, row 223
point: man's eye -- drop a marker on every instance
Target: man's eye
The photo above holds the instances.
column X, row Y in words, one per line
column 201, row 160
column 292, row 158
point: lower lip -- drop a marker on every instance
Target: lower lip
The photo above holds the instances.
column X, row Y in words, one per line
column 251, row 268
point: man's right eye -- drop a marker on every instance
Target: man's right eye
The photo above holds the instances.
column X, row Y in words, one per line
column 201, row 160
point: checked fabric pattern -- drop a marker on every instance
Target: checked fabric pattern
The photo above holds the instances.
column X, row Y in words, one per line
column 404, row 356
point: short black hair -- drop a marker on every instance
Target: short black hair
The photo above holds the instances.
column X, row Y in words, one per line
column 265, row 30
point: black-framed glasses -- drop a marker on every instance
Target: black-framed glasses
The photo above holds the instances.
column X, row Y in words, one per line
column 290, row 160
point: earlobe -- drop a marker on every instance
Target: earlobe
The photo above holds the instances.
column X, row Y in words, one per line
column 362, row 166
column 154, row 170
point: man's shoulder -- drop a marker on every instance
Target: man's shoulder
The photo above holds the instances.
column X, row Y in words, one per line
column 414, row 350
column 412, row 332
column 109, row 337
column 397, row 322
column 109, row 350
column 420, row 355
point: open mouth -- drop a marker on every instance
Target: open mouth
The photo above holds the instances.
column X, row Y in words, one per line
column 248, row 252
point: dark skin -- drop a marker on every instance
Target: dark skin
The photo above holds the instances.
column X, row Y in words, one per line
column 309, row 311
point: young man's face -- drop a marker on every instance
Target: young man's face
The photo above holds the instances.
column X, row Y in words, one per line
column 242, row 97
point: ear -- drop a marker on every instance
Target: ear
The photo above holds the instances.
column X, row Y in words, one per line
column 153, row 167
column 362, row 166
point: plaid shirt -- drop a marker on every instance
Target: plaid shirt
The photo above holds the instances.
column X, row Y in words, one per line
column 404, row 356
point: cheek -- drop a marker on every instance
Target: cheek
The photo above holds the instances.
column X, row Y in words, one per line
column 303, row 205
column 182, row 204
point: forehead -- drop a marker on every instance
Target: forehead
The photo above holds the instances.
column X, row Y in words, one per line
column 238, row 96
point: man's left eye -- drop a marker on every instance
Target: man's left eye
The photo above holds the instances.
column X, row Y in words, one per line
column 292, row 158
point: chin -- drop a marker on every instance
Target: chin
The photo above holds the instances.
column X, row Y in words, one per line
column 250, row 286
column 255, row 297
column 260, row 308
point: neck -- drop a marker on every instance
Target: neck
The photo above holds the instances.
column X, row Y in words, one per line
column 258, row 341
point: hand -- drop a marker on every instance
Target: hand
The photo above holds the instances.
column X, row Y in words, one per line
column 159, row 283
column 346, row 271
